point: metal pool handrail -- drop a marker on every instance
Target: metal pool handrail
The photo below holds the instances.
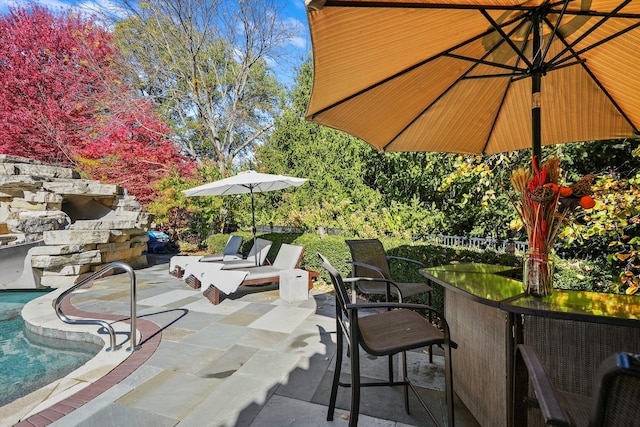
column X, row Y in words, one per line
column 106, row 325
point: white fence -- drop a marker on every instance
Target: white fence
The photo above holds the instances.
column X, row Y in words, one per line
column 508, row 246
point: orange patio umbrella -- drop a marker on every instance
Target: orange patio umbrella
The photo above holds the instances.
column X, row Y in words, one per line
column 476, row 76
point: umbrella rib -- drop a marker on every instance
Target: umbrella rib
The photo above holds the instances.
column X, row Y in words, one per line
column 465, row 76
column 597, row 82
column 595, row 13
column 506, row 38
column 495, row 118
column 555, row 28
column 608, row 95
column 600, row 42
column 397, row 135
column 517, row 71
column 415, row 5
column 604, row 19
column 518, row 75
column 564, row 64
column 483, row 62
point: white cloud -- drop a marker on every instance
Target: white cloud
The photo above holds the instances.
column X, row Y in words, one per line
column 299, row 42
column 300, row 39
column 51, row 4
column 97, row 7
column 103, row 6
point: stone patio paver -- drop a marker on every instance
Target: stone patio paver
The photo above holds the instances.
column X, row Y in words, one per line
column 254, row 360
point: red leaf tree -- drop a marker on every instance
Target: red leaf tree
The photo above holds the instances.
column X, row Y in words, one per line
column 62, row 101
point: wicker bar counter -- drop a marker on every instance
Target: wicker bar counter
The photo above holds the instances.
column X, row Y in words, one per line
column 473, row 293
column 488, row 314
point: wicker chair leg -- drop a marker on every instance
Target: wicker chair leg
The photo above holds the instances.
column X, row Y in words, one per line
column 193, row 282
column 212, row 294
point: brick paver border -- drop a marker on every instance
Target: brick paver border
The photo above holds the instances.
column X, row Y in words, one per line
column 150, row 336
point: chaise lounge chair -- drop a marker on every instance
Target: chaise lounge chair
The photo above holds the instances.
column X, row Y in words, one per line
column 227, row 281
column 230, row 251
column 181, row 265
column 256, row 258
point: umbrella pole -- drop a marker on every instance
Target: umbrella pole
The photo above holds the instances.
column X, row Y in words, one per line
column 536, row 83
column 253, row 226
column 535, row 118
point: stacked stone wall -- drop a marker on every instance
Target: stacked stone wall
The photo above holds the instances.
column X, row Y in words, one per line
column 85, row 224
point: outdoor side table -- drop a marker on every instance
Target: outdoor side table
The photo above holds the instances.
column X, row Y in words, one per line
column 294, row 285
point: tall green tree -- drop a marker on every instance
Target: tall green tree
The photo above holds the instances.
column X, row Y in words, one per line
column 206, row 63
column 331, row 160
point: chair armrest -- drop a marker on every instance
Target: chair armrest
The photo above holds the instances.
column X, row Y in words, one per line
column 398, row 258
column 368, row 266
column 546, row 394
column 406, row 305
column 376, row 279
column 353, row 281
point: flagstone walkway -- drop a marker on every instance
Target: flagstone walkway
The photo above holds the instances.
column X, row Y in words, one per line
column 254, row 360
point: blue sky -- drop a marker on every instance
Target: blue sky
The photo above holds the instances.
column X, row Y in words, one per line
column 294, row 15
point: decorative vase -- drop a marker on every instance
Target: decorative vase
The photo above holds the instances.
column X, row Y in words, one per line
column 537, row 275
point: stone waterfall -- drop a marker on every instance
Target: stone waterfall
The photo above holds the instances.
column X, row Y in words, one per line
column 83, row 224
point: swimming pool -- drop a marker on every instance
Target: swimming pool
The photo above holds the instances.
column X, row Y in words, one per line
column 29, row 361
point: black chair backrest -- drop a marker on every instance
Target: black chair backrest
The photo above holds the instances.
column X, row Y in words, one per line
column 618, row 391
column 613, row 403
column 342, row 296
column 369, row 251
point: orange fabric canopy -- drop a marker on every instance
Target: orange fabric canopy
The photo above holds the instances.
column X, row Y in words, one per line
column 456, row 76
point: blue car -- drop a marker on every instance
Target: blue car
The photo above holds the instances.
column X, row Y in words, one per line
column 160, row 243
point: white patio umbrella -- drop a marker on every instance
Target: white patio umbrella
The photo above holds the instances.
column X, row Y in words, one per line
column 248, row 182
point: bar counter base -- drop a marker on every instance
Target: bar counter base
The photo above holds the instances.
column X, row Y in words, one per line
column 479, row 363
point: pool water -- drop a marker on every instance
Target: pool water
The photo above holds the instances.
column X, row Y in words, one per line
column 29, row 361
